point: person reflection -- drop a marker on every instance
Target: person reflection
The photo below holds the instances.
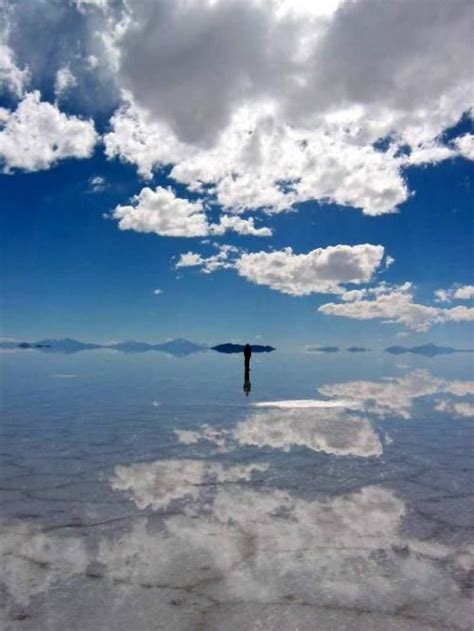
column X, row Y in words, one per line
column 247, row 356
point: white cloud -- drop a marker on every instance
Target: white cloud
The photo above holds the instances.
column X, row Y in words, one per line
column 262, row 163
column 294, row 114
column 12, row 78
column 97, row 184
column 465, row 292
column 65, row 80
column 36, row 135
column 84, row 5
column 319, row 271
column 157, row 292
column 323, row 270
column 239, row 225
column 459, row 314
column 442, row 295
column 189, row 259
column 465, row 144
column 458, row 292
column 224, row 259
column 160, row 211
column 395, row 304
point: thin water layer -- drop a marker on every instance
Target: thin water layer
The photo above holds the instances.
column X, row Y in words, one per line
column 151, row 492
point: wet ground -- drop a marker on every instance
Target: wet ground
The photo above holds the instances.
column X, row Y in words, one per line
column 149, row 492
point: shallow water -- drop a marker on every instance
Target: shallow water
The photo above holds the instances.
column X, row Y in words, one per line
column 148, row 492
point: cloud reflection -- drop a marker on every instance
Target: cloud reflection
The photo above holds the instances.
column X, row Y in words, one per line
column 157, row 484
column 322, row 428
column 329, row 430
column 238, row 546
column 396, row 395
column 261, row 546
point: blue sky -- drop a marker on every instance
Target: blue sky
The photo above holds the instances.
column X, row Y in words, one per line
column 371, row 193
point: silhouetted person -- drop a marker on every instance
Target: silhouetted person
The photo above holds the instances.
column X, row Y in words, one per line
column 247, row 355
column 247, row 384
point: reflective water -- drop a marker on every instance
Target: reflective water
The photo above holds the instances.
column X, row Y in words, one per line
column 145, row 492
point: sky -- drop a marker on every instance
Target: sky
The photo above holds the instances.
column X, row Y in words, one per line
column 284, row 172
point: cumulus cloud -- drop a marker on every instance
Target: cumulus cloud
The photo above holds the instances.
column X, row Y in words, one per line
column 464, row 292
column 261, row 163
column 162, row 212
column 294, row 114
column 465, row 144
column 395, row 304
column 261, row 104
column 458, row 292
column 320, row 271
column 65, row 80
column 12, row 78
column 458, row 314
column 239, row 225
column 223, row 259
column 37, row 135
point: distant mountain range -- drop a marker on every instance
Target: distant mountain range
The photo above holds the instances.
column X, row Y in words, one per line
column 323, row 349
column 177, row 348
column 427, row 350
column 357, row 349
column 181, row 347
column 335, row 349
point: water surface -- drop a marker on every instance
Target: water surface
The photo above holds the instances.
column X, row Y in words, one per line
column 149, row 492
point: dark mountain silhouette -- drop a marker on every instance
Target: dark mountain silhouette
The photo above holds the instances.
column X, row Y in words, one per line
column 10, row 344
column 322, row 349
column 66, row 345
column 131, row 346
column 427, row 350
column 357, row 349
column 180, row 347
column 239, row 348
